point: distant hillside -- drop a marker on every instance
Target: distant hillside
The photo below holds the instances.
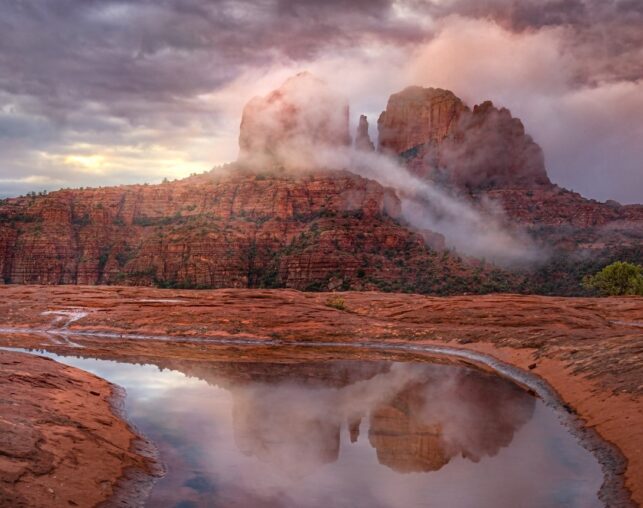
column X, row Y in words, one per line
column 260, row 223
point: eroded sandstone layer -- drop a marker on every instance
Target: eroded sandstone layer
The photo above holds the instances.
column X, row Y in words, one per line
column 278, row 218
column 61, row 443
column 329, row 230
column 589, row 350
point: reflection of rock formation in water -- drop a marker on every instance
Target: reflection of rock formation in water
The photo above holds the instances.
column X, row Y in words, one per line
column 420, row 417
column 403, row 441
column 433, row 420
column 354, row 422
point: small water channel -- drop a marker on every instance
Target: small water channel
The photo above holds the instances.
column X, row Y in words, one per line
column 376, row 434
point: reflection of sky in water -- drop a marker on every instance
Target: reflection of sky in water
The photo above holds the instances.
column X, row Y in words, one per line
column 236, row 446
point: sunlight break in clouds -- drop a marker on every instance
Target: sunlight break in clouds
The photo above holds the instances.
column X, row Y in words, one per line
column 136, row 76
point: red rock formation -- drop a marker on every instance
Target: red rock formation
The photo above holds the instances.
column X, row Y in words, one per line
column 300, row 116
column 442, row 139
column 485, row 154
column 319, row 231
column 253, row 225
column 362, row 138
column 416, row 116
column 490, row 149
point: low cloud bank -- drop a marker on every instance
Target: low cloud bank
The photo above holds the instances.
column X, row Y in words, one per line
column 480, row 231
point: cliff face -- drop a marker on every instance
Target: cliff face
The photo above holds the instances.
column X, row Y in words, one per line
column 325, row 231
column 416, row 116
column 484, row 154
column 443, row 140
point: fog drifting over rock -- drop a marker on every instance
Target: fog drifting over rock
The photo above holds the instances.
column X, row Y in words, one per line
column 302, row 126
column 99, row 93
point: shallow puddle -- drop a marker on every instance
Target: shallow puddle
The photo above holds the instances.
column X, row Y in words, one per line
column 350, row 434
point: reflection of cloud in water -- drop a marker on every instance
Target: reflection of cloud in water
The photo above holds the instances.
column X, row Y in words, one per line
column 141, row 381
column 420, row 417
column 339, row 434
column 295, row 429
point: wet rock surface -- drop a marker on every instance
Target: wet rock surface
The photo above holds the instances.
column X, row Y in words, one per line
column 588, row 349
column 61, row 442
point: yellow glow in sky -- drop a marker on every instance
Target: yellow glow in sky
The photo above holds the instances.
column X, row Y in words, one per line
column 92, row 163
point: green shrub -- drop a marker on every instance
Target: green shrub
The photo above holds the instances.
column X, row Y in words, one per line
column 619, row 278
column 336, row 302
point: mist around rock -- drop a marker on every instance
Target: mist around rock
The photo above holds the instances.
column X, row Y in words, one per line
column 413, row 422
column 303, row 127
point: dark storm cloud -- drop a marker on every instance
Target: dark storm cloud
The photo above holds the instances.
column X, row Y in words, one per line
column 71, row 51
column 87, row 76
column 90, row 70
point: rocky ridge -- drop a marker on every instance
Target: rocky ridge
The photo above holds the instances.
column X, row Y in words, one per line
column 330, row 230
column 269, row 220
column 484, row 155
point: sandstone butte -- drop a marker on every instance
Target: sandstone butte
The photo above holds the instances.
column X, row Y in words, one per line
column 264, row 222
column 258, row 224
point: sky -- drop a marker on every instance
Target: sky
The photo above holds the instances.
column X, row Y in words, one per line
column 103, row 92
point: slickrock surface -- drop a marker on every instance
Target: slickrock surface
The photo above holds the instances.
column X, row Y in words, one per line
column 61, row 444
column 589, row 350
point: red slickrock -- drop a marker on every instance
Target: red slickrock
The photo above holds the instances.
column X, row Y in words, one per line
column 58, row 421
